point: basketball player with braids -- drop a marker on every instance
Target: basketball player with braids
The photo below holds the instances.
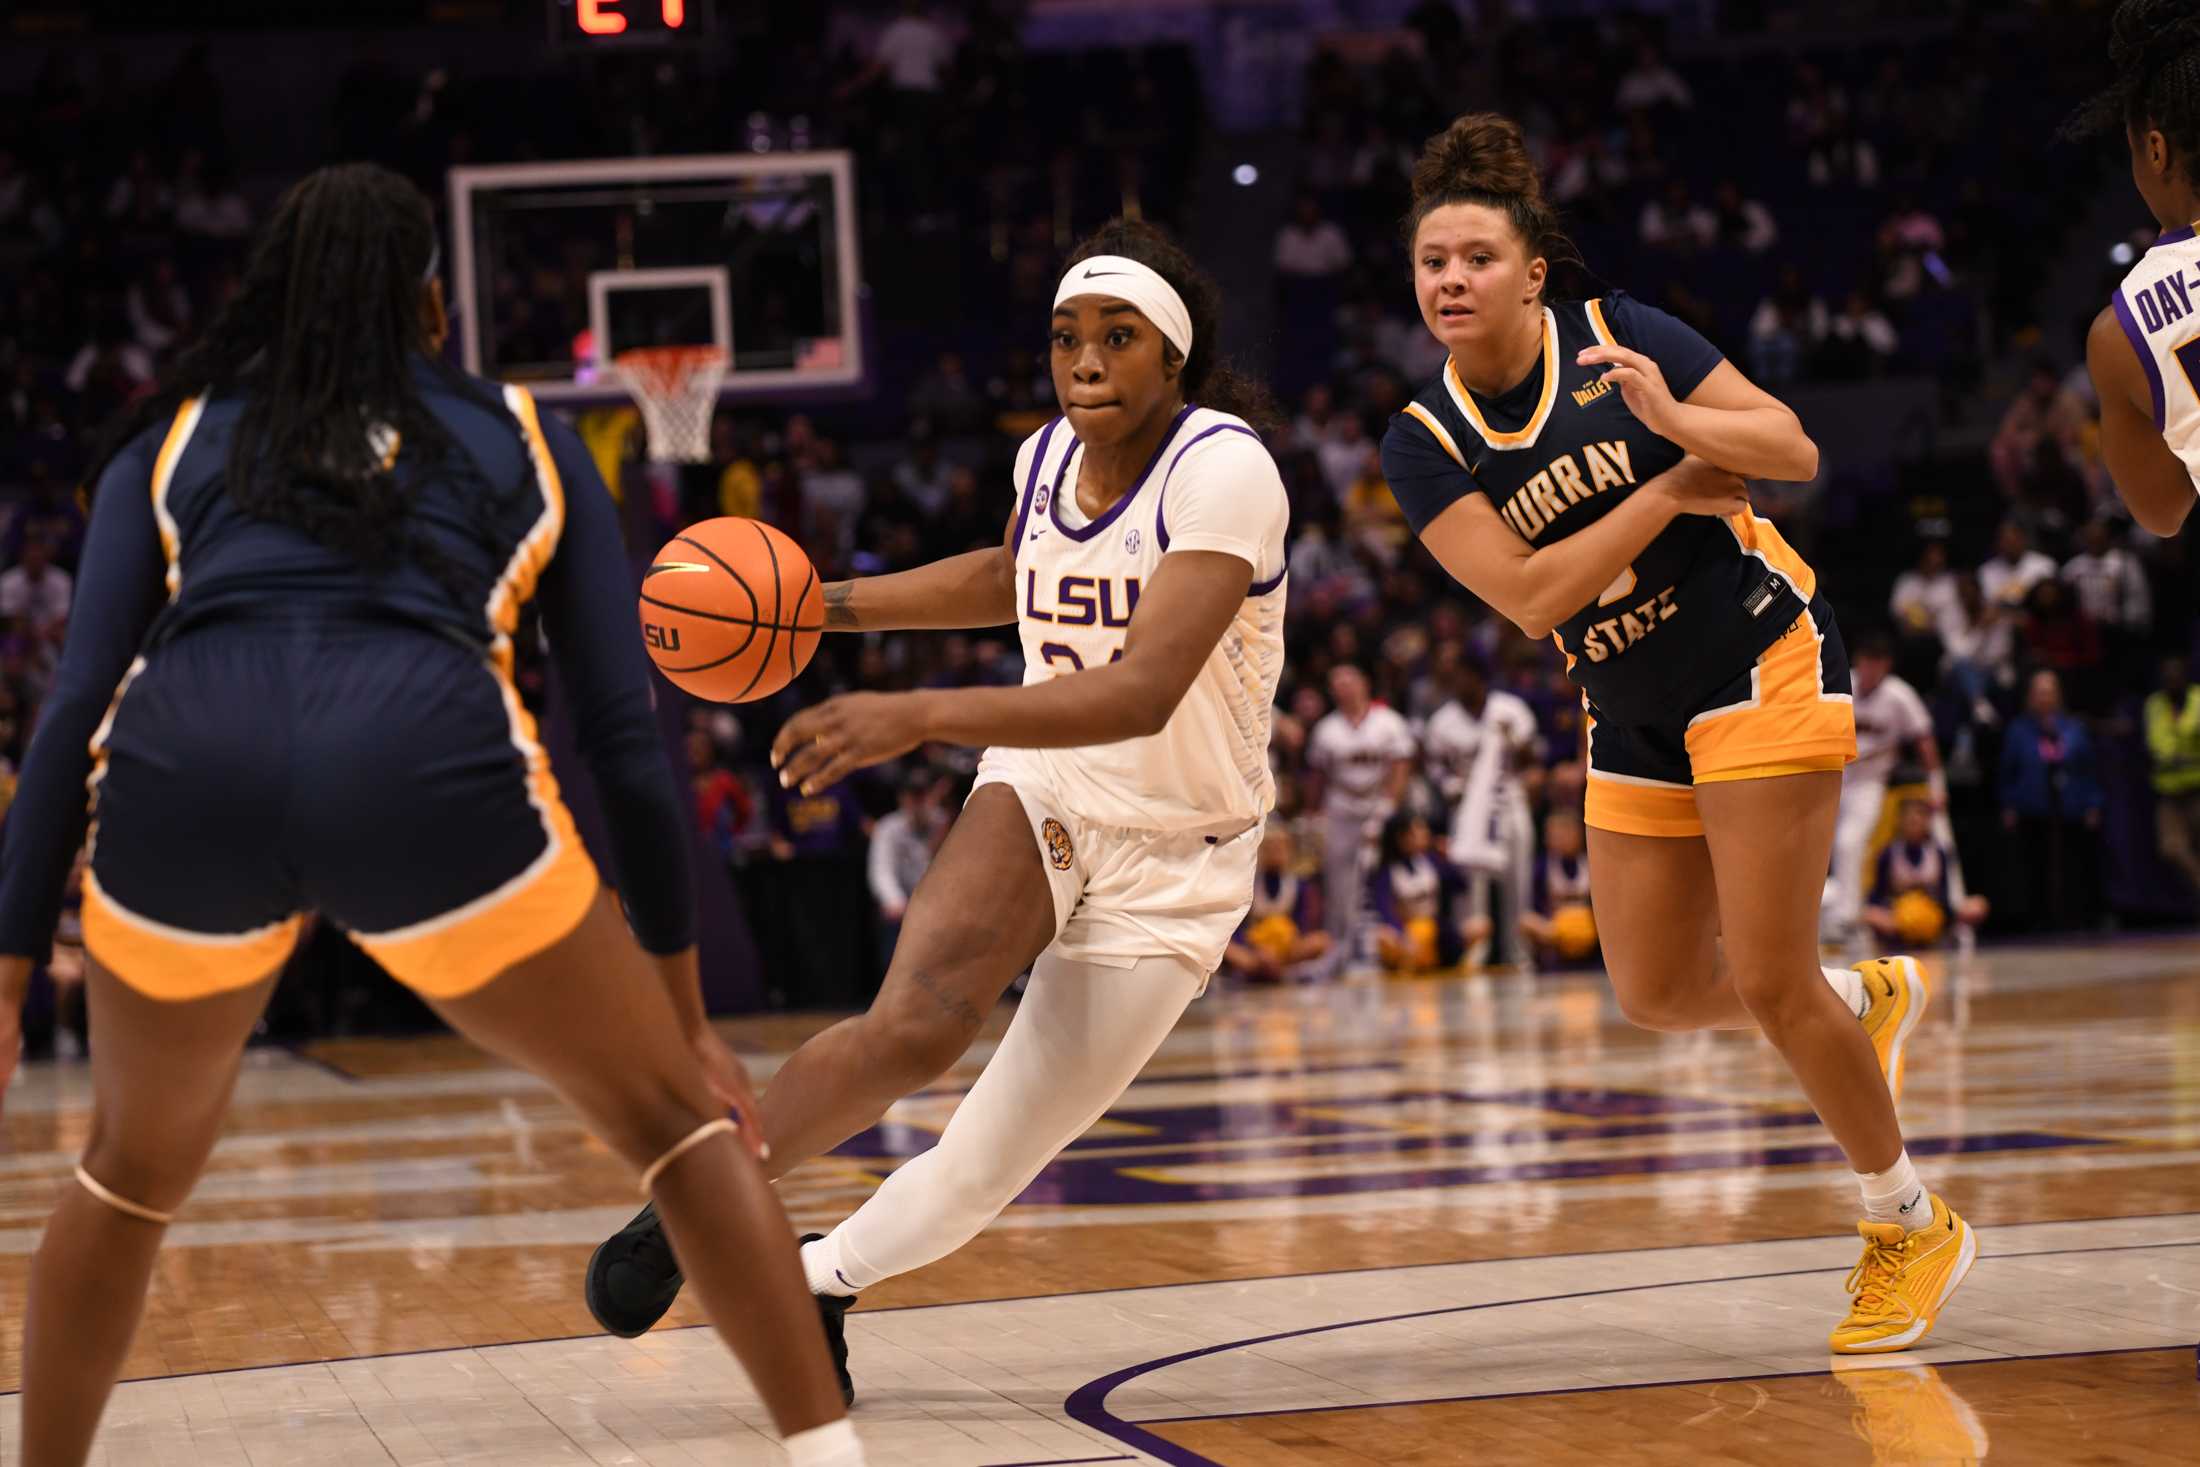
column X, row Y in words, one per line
column 2144, row 349
column 288, row 679
column 1110, row 843
column 1579, row 465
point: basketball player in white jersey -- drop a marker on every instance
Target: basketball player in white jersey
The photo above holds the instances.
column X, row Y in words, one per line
column 1890, row 717
column 2144, row 350
column 1474, row 746
column 1361, row 753
column 1109, row 845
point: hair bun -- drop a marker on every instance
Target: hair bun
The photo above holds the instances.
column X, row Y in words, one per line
column 1480, row 153
column 2151, row 30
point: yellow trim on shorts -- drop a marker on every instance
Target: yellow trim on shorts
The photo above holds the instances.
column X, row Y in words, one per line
column 174, row 965
column 1811, row 764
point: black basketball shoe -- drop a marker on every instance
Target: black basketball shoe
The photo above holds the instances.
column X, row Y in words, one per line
column 832, row 1309
column 633, row 1277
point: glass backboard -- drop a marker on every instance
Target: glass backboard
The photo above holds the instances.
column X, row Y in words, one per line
column 559, row 266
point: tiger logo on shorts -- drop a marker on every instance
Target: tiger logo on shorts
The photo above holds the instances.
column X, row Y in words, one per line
column 1059, row 850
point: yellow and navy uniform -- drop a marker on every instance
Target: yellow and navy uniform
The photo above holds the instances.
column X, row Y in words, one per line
column 269, row 727
column 1712, row 656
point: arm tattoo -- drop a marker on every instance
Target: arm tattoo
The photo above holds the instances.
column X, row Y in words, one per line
column 954, row 1005
column 838, row 613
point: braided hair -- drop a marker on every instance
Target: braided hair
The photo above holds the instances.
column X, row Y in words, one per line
column 321, row 339
column 2154, row 46
column 1208, row 378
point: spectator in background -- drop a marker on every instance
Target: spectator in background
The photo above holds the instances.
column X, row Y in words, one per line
column 901, row 848
column 921, row 477
column 1787, row 328
column 1282, row 935
column 1925, row 601
column 2008, row 577
column 1372, row 518
column 1360, row 756
column 1343, row 454
column 158, row 308
column 1981, row 648
column 2044, row 419
column 34, row 602
column 833, row 497
column 1890, row 721
column 948, row 400
column 723, row 808
column 1414, row 902
column 824, row 953
column 1317, row 410
column 2059, row 635
column 208, row 204
column 967, row 523
column 1860, row 341
column 741, row 481
column 2051, row 804
column 1562, row 926
column 1908, row 240
column 1742, row 223
column 1677, row 222
column 2173, row 740
column 1652, row 84
column 1310, row 247
column 2109, row 583
column 1912, row 896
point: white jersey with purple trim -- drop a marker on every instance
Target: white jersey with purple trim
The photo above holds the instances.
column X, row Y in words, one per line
column 2158, row 305
column 1211, row 486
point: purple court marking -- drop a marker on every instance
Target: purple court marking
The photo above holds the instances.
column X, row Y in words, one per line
column 1088, row 1404
column 1063, row 1461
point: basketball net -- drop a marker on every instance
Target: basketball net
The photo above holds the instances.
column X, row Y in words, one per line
column 676, row 388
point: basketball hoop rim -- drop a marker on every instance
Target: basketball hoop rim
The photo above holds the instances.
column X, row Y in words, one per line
column 666, row 368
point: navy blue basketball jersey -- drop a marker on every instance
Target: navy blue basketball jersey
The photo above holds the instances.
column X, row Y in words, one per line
column 1558, row 452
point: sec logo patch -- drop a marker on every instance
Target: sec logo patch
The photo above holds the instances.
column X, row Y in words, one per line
column 1059, row 850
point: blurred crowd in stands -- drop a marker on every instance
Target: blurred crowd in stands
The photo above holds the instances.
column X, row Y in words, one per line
column 1829, row 215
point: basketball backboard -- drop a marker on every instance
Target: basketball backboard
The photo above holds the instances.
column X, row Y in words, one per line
column 560, row 265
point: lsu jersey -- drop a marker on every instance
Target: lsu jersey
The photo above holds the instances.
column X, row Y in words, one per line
column 2158, row 306
column 1560, row 450
column 1454, row 740
column 1210, row 486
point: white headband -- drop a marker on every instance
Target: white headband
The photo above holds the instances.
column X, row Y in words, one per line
column 1141, row 285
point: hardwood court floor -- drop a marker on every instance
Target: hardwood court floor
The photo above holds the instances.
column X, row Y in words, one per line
column 1480, row 1220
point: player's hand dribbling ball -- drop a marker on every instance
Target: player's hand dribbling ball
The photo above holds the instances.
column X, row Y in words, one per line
column 731, row 610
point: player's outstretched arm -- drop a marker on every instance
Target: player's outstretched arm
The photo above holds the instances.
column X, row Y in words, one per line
column 1180, row 619
column 1536, row 589
column 975, row 589
column 2151, row 480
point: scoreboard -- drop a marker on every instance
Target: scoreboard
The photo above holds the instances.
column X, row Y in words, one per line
column 590, row 24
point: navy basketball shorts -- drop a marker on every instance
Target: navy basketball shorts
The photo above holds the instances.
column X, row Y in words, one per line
column 389, row 779
column 1790, row 713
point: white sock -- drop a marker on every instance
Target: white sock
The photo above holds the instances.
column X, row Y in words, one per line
column 1896, row 1195
column 832, row 1445
column 1850, row 985
column 821, row 1265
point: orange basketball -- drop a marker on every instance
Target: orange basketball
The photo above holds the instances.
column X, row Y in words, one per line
column 731, row 610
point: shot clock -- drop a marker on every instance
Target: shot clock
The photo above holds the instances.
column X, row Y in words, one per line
column 589, row 24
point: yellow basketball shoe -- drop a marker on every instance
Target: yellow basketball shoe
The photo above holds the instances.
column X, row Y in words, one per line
column 1907, row 1413
column 1897, row 991
column 1899, row 1284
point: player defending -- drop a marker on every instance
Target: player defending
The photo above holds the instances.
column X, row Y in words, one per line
column 2144, row 350
column 1109, row 845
